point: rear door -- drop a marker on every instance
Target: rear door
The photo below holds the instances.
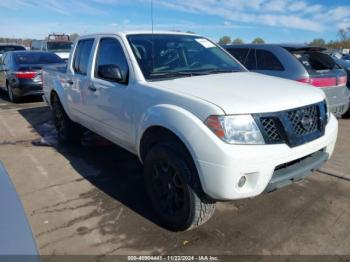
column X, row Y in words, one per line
column 79, row 80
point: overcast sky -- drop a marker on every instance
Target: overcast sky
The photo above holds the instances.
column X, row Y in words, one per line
column 273, row 20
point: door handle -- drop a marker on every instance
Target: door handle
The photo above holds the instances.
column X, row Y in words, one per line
column 92, row 88
column 70, row 82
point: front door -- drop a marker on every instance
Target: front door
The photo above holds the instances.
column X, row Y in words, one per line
column 109, row 102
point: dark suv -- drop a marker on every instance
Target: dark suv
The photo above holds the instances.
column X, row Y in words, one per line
column 301, row 63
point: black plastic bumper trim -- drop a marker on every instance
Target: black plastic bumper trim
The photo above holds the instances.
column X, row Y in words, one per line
column 297, row 171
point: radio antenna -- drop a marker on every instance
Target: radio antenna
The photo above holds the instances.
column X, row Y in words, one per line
column 152, row 35
column 152, row 15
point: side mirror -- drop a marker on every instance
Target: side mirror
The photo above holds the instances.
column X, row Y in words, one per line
column 111, row 73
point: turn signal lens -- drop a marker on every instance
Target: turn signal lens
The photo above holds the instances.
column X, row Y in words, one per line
column 214, row 124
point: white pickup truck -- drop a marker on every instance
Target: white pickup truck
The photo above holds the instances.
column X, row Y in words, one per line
column 204, row 127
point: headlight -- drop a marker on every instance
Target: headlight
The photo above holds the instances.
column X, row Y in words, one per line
column 239, row 129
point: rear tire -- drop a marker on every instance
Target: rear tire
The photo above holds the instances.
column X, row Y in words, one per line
column 67, row 130
column 173, row 186
column 12, row 97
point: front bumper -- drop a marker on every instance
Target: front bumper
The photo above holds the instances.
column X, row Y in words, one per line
column 297, row 170
column 228, row 163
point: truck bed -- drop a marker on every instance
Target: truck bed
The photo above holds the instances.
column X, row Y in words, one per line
column 56, row 68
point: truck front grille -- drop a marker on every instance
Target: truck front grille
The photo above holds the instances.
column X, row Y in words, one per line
column 297, row 117
column 271, row 130
column 293, row 127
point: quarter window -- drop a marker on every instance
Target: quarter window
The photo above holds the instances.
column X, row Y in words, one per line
column 82, row 56
column 267, row 61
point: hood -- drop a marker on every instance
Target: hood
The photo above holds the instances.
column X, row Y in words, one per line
column 246, row 92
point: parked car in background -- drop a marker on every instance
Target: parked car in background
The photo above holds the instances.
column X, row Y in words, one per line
column 345, row 64
column 20, row 72
column 16, row 238
column 301, row 63
column 10, row 47
column 204, row 127
column 60, row 44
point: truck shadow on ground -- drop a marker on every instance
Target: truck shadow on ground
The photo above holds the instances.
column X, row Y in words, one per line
column 111, row 169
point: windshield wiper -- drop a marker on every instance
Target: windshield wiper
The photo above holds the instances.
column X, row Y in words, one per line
column 220, row 71
column 192, row 73
column 172, row 74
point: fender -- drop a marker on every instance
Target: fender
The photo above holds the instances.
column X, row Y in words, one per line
column 186, row 126
column 59, row 86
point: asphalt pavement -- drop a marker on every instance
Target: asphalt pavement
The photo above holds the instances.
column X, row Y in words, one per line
column 90, row 199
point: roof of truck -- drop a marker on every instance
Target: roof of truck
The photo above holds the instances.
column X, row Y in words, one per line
column 289, row 47
column 124, row 33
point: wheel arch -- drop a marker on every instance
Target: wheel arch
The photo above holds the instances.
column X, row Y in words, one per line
column 60, row 95
column 177, row 122
column 155, row 134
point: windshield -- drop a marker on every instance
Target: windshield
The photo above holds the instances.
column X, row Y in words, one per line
column 59, row 46
column 179, row 56
column 33, row 58
column 7, row 48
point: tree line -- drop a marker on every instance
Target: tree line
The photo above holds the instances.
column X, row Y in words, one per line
column 226, row 40
column 342, row 41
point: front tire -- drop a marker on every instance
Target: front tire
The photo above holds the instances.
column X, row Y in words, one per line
column 67, row 130
column 174, row 188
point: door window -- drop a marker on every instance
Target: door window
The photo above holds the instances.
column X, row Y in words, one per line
column 267, row 61
column 110, row 52
column 250, row 62
column 82, row 56
column 239, row 53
